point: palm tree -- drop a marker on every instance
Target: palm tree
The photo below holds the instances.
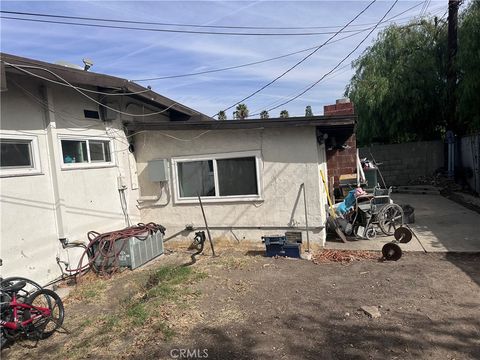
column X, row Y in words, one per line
column 221, row 115
column 284, row 114
column 264, row 114
column 241, row 111
column 308, row 111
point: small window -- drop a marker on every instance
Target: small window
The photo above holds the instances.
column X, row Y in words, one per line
column 19, row 155
column 91, row 114
column 74, row 151
column 85, row 152
column 16, row 153
column 237, row 176
column 99, row 150
column 196, row 178
column 229, row 177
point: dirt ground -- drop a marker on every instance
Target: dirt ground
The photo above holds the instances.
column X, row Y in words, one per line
column 246, row 306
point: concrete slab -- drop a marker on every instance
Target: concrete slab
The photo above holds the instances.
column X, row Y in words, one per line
column 440, row 225
column 443, row 225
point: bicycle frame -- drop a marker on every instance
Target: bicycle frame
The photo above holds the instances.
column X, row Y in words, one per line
column 15, row 324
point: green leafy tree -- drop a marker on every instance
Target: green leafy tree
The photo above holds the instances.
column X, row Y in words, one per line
column 284, row 114
column 308, row 111
column 399, row 85
column 222, row 115
column 264, row 114
column 241, row 111
column 468, row 64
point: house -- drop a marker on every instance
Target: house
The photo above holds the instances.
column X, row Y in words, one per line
column 66, row 162
column 256, row 177
column 82, row 151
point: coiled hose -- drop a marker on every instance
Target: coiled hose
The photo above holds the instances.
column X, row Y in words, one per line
column 102, row 254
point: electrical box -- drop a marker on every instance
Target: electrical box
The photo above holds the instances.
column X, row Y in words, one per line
column 158, row 170
column 121, row 183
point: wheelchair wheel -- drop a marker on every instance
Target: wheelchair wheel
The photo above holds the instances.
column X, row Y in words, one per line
column 390, row 218
column 371, row 233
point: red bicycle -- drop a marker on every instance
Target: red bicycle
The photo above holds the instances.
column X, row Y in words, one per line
column 36, row 316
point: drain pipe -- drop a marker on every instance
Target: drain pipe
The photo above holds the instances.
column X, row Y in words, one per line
column 306, row 216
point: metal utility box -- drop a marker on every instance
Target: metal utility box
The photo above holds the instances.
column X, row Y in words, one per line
column 136, row 252
column 158, row 170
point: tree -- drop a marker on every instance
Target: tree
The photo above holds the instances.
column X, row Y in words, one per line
column 284, row 114
column 308, row 111
column 241, row 111
column 468, row 62
column 264, row 114
column 222, row 115
column 399, row 85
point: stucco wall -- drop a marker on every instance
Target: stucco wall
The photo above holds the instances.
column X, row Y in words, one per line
column 89, row 197
column 290, row 157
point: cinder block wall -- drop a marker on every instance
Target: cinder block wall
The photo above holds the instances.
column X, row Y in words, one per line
column 403, row 163
column 341, row 161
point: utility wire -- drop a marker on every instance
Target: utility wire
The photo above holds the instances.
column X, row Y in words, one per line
column 331, row 76
column 301, row 61
column 336, row 66
column 179, row 24
column 276, row 57
column 171, row 30
column 22, row 68
column 88, row 96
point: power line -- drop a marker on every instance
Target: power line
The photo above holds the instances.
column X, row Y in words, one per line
column 88, row 96
column 23, row 67
column 302, row 60
column 336, row 66
column 334, row 74
column 180, row 24
column 170, row 30
column 273, row 58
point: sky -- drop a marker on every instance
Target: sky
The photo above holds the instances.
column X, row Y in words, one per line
column 135, row 55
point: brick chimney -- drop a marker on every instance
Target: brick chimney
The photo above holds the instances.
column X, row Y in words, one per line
column 341, row 161
column 341, row 107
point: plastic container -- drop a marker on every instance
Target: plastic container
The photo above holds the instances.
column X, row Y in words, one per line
column 292, row 250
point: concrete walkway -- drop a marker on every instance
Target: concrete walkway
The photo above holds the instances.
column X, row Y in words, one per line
column 440, row 225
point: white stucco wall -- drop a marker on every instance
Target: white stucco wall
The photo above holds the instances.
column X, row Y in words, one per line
column 89, row 198
column 290, row 157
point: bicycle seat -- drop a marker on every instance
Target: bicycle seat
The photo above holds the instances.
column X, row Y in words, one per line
column 14, row 287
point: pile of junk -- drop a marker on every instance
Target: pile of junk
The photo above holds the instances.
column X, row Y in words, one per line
column 367, row 209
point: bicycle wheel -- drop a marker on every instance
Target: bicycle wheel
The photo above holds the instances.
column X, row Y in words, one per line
column 44, row 326
column 30, row 287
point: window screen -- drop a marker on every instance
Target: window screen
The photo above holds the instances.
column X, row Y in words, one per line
column 196, row 177
column 99, row 150
column 74, row 151
column 237, row 176
column 15, row 153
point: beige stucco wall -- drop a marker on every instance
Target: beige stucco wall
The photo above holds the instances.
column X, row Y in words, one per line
column 89, row 197
column 290, row 157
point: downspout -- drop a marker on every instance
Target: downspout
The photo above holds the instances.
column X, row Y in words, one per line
column 54, row 156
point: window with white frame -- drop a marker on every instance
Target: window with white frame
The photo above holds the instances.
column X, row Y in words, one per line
column 81, row 152
column 218, row 177
column 19, row 155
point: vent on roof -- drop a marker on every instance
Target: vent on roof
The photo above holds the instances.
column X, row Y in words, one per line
column 91, row 114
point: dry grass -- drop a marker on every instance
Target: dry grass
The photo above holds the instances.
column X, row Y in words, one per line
column 344, row 256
